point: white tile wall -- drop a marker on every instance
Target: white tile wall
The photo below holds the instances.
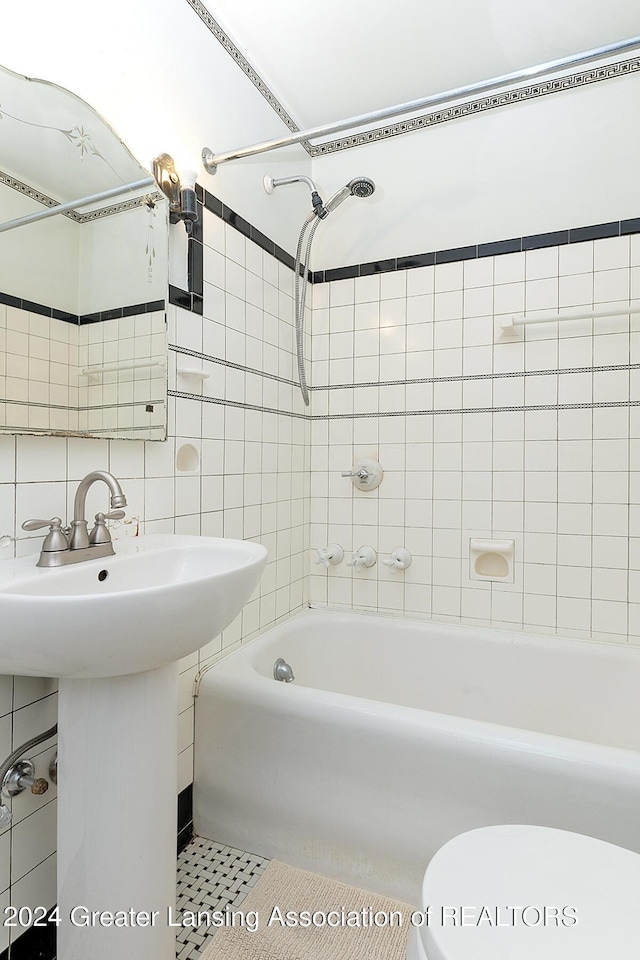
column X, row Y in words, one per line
column 42, row 387
column 249, row 479
column 485, row 439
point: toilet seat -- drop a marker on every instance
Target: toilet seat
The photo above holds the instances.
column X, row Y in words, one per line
column 506, row 867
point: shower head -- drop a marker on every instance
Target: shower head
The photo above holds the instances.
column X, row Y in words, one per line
column 358, row 187
column 361, row 187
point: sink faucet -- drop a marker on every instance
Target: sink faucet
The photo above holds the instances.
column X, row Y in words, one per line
column 79, row 538
column 73, row 544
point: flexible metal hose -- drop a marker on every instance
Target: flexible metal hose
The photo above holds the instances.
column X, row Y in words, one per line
column 300, row 284
column 13, row 757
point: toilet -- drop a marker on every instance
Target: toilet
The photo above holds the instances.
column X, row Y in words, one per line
column 526, row 893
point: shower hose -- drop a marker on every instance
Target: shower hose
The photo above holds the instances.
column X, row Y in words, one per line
column 300, row 282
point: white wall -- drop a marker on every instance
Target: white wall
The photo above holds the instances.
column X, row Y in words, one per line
column 38, row 261
column 564, row 160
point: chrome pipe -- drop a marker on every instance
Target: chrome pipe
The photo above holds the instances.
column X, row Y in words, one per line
column 72, row 204
column 270, row 183
column 211, row 160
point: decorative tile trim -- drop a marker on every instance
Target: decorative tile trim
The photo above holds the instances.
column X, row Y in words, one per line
column 114, row 208
column 214, row 27
column 574, row 81
column 522, row 408
column 481, row 105
column 115, row 313
column 90, row 408
column 28, row 191
column 234, row 366
column 184, row 395
column 465, row 378
column 311, row 417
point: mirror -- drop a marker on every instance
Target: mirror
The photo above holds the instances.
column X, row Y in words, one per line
column 83, row 344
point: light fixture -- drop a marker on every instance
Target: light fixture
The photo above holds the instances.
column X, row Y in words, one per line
column 181, row 192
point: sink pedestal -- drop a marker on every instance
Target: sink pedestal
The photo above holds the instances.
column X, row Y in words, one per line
column 117, row 800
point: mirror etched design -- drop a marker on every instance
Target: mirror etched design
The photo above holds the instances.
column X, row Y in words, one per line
column 83, row 343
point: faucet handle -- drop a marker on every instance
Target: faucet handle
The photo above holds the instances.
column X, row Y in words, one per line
column 100, row 533
column 114, row 515
column 40, row 524
column 330, row 556
column 55, row 540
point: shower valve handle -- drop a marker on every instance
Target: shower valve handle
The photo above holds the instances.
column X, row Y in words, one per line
column 363, row 557
column 362, row 474
column 330, row 556
column 366, row 474
column 400, row 559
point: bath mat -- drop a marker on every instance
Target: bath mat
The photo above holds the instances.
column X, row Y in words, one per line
column 365, row 925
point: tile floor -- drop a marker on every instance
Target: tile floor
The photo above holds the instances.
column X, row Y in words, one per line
column 210, row 877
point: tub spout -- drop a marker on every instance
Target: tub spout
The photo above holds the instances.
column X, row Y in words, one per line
column 282, row 671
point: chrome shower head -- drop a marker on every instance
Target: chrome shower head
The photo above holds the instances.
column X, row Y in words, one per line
column 358, row 187
column 361, row 187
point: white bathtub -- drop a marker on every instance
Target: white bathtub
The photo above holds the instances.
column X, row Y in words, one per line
column 399, row 734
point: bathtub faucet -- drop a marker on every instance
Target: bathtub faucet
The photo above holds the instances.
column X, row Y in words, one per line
column 282, row 671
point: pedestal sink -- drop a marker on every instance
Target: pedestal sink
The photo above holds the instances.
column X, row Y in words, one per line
column 113, row 630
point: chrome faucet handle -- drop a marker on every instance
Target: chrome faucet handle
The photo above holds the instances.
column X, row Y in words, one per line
column 114, row 515
column 361, row 474
column 100, row 533
column 55, row 540
column 365, row 475
column 40, row 524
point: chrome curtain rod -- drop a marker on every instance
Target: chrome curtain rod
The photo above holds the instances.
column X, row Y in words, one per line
column 212, row 160
column 72, row 204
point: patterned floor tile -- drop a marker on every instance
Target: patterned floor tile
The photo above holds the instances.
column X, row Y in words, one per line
column 211, row 876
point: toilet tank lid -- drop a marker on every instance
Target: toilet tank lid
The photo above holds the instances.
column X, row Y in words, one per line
column 526, row 892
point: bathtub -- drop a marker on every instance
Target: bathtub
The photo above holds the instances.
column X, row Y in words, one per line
column 397, row 734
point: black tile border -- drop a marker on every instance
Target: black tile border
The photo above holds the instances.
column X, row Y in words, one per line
column 538, row 241
column 36, row 943
column 114, row 314
column 186, row 298
column 185, row 817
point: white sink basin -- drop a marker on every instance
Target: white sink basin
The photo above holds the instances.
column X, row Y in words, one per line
column 163, row 597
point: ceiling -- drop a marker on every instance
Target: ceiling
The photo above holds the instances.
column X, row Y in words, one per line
column 331, row 60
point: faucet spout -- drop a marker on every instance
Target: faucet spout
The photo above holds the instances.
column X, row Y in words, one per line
column 79, row 538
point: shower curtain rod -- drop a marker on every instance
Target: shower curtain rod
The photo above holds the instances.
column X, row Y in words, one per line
column 211, row 160
column 72, row 204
